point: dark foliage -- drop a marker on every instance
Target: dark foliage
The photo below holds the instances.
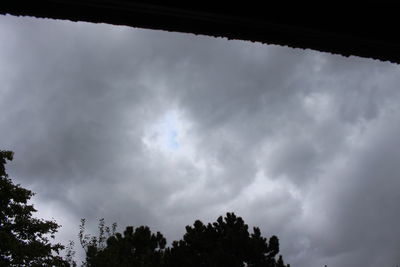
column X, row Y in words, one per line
column 23, row 239
column 136, row 247
column 226, row 242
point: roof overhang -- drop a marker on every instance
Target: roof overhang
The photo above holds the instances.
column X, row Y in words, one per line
column 363, row 31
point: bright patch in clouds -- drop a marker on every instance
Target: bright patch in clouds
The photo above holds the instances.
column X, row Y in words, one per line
column 319, row 105
column 168, row 134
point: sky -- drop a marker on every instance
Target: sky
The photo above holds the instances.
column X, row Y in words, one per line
column 144, row 127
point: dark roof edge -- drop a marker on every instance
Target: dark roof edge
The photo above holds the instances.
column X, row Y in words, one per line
column 248, row 24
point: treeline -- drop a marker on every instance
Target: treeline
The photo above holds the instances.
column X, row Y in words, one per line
column 226, row 242
column 24, row 240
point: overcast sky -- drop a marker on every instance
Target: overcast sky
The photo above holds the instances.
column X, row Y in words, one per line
column 157, row 128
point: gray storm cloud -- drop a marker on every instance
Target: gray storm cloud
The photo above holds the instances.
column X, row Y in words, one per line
column 158, row 128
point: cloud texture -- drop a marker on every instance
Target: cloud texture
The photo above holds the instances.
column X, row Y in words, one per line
column 158, row 128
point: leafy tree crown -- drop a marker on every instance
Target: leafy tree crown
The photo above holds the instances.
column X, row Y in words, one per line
column 24, row 239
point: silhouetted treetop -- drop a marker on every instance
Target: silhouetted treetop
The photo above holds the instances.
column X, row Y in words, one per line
column 23, row 239
column 135, row 247
column 226, row 242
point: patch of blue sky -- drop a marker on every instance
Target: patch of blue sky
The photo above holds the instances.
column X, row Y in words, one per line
column 173, row 143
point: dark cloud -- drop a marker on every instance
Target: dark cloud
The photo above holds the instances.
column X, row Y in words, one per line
column 157, row 128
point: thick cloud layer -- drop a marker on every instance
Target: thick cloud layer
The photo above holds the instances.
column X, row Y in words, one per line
column 158, row 128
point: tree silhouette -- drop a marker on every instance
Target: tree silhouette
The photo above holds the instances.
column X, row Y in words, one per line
column 136, row 247
column 226, row 242
column 23, row 239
